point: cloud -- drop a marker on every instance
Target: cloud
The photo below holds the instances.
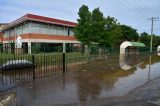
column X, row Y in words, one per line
column 130, row 12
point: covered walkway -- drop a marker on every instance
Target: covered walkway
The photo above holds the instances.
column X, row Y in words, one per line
column 158, row 50
column 129, row 46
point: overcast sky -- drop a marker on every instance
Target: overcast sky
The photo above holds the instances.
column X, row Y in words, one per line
column 130, row 12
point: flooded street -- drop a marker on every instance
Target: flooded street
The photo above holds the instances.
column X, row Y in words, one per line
column 109, row 77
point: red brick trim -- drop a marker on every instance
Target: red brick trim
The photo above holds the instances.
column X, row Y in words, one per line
column 41, row 36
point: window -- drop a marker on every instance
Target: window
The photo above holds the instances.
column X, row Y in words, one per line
column 37, row 27
column 71, row 32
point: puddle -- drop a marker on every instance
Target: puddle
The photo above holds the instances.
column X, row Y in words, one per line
column 109, row 77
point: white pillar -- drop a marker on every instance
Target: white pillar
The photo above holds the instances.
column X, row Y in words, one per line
column 122, row 50
column 29, row 48
column 100, row 52
column 64, row 47
column 86, row 51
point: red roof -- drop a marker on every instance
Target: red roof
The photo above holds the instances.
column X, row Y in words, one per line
column 41, row 19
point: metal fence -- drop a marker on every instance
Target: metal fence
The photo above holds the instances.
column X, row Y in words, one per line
column 47, row 64
column 18, row 67
column 44, row 64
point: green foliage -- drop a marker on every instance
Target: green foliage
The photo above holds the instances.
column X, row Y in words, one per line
column 129, row 33
column 98, row 24
column 146, row 39
column 112, row 32
column 156, row 41
column 90, row 26
column 83, row 29
column 93, row 27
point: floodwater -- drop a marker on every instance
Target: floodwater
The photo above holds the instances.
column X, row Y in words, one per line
column 108, row 77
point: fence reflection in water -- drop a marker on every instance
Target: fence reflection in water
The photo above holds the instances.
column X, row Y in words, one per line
column 43, row 64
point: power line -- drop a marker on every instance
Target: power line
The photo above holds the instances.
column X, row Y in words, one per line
column 132, row 6
column 127, row 5
column 144, row 8
column 137, row 9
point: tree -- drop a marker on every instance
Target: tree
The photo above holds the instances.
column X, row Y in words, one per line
column 112, row 32
column 92, row 28
column 110, row 22
column 129, row 33
column 115, row 36
column 98, row 25
column 84, row 27
column 145, row 38
column 156, row 41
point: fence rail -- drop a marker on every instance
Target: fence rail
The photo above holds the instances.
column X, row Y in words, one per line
column 14, row 68
column 44, row 64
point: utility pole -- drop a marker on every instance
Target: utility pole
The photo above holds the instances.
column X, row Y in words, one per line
column 150, row 58
column 152, row 20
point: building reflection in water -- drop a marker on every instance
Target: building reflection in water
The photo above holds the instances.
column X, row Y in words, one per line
column 94, row 76
column 89, row 81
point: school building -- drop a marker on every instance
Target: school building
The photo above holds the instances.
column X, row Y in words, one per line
column 39, row 32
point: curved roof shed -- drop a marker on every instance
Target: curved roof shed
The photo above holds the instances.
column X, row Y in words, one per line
column 126, row 44
column 158, row 48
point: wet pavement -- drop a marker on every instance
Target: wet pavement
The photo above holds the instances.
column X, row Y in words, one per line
column 95, row 81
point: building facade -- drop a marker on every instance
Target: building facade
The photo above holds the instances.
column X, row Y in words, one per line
column 2, row 25
column 36, row 31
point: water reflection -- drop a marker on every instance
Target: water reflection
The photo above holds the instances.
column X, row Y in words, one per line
column 93, row 77
column 123, row 63
column 149, row 71
column 92, row 80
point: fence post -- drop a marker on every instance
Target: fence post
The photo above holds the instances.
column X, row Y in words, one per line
column 64, row 62
column 33, row 61
column 2, row 76
column 64, row 57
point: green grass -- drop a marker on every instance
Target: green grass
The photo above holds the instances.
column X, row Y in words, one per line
column 40, row 59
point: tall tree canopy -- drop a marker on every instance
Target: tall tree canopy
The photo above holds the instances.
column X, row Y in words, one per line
column 112, row 32
column 93, row 27
column 129, row 33
column 90, row 26
column 146, row 39
column 84, row 27
column 98, row 25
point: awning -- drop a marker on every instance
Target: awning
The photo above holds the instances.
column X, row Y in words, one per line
column 134, row 44
column 126, row 44
column 137, row 44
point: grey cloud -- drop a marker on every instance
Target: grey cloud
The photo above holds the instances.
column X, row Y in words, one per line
column 131, row 12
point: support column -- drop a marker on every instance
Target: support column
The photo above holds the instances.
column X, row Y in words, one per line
column 86, row 49
column 71, row 48
column 29, row 48
column 64, row 47
column 64, row 57
column 100, row 52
